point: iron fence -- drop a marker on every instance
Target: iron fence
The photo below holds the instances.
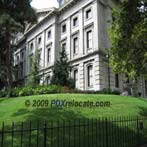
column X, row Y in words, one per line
column 101, row 132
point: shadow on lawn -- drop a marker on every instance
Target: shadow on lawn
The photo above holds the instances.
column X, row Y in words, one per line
column 143, row 111
column 73, row 130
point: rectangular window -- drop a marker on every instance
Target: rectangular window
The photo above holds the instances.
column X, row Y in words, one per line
column 75, row 21
column 22, row 55
column 39, row 40
column 116, row 80
column 88, row 14
column 75, row 45
column 76, row 77
column 89, row 39
column 31, row 46
column 49, row 34
column 21, row 69
column 31, row 62
column 39, row 58
column 48, row 55
column 64, row 28
column 89, row 75
column 17, row 59
column 63, row 46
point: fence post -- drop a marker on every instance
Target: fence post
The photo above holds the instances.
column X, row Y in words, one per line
column 138, row 132
column 106, row 125
column 2, row 133
column 45, row 134
column 97, row 120
column 12, row 132
column 21, row 134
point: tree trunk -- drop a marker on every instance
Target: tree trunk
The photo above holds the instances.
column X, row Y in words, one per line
column 8, row 63
column 0, row 62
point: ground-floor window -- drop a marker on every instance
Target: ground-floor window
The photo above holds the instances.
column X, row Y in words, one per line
column 75, row 76
column 48, row 80
column 90, row 76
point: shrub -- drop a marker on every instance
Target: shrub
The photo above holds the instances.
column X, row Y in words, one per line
column 39, row 89
column 47, row 89
column 26, row 91
column 14, row 92
column 3, row 93
column 71, row 83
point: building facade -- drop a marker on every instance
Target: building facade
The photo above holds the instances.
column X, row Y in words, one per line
column 81, row 28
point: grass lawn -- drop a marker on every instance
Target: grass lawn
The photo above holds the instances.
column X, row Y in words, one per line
column 89, row 134
column 14, row 109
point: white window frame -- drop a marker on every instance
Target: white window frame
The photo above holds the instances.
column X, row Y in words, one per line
column 75, row 17
column 86, row 10
column 63, row 24
column 39, row 40
column 63, row 42
column 49, row 37
column 49, row 55
column 88, row 86
column 31, row 46
column 40, row 60
column 73, row 45
column 76, row 79
column 89, row 49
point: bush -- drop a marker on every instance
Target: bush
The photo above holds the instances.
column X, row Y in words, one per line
column 52, row 89
column 110, row 91
column 71, row 83
column 26, row 91
column 47, row 89
column 3, row 93
column 116, row 91
column 32, row 90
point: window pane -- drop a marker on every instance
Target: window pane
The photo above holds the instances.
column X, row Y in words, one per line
column 88, row 14
column 76, row 77
column 75, row 21
column 39, row 58
column 63, row 46
column 48, row 80
column 39, row 40
column 89, row 39
column 75, row 45
column 48, row 55
column 90, row 76
column 49, row 34
column 64, row 28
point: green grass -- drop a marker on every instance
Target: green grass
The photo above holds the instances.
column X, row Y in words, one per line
column 119, row 133
column 14, row 109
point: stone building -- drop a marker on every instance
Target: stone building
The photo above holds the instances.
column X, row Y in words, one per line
column 81, row 27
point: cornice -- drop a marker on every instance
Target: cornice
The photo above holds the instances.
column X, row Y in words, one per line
column 53, row 12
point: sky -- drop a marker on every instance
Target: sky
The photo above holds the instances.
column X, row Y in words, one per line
column 39, row 4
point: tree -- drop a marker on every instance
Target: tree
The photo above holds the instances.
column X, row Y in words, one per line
column 13, row 17
column 128, row 36
column 34, row 76
column 61, row 71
